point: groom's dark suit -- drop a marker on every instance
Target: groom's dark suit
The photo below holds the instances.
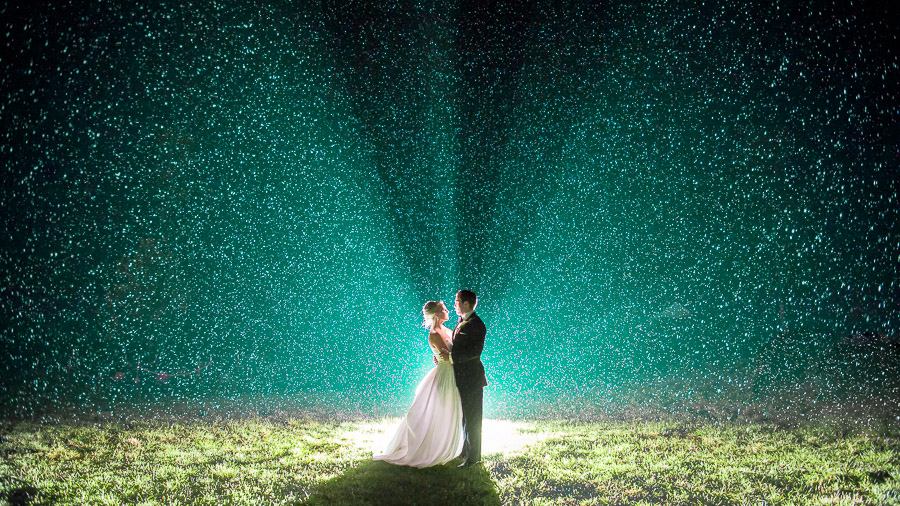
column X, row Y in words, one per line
column 468, row 342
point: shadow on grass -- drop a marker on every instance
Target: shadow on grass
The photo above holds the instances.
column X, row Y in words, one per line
column 21, row 495
column 378, row 483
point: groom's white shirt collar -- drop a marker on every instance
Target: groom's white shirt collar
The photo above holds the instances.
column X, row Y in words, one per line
column 466, row 316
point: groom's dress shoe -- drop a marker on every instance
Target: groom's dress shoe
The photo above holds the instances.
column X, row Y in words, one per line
column 467, row 463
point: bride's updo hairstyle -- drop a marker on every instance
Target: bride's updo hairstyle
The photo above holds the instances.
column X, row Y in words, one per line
column 430, row 309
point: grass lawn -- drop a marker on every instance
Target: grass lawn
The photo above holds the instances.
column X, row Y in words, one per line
column 297, row 461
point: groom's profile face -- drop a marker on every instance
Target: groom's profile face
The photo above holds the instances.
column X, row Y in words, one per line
column 461, row 308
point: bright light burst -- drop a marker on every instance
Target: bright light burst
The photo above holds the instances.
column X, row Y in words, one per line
column 499, row 437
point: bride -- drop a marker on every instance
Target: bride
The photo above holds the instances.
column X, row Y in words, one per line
column 431, row 433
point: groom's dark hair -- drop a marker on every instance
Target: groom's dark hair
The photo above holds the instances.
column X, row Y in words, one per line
column 467, row 296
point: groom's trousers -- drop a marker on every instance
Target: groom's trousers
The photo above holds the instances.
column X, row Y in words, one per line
column 472, row 407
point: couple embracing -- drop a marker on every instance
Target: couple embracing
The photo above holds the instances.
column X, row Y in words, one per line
column 444, row 421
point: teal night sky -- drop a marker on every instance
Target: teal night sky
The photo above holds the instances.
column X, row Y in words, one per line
column 657, row 203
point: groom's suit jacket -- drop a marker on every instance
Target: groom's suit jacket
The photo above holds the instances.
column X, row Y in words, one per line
column 468, row 342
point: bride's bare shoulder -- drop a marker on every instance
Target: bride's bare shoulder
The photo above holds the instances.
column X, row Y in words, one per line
column 441, row 332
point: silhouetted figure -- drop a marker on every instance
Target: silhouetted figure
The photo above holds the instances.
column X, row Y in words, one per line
column 468, row 343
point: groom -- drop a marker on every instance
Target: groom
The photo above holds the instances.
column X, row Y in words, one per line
column 468, row 341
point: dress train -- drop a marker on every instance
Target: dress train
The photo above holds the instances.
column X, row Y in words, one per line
column 431, row 433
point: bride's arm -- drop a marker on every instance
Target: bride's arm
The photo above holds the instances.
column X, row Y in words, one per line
column 438, row 342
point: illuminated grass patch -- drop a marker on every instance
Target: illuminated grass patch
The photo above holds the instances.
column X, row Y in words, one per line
column 526, row 462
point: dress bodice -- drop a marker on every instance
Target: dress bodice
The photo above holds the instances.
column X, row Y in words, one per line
column 435, row 350
column 437, row 353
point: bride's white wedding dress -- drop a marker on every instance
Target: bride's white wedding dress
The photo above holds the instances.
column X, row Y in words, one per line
column 431, row 433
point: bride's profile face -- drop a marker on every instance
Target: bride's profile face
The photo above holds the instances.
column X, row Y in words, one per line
column 443, row 314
